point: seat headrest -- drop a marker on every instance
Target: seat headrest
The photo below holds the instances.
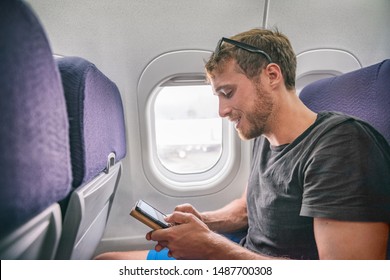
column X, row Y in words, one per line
column 96, row 117
column 35, row 168
column 363, row 93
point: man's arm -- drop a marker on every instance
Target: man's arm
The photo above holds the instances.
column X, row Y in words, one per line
column 351, row 240
column 190, row 238
column 230, row 218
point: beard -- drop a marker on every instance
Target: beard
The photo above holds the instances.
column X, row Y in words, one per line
column 257, row 117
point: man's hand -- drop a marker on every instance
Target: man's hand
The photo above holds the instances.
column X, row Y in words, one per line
column 189, row 238
column 188, row 208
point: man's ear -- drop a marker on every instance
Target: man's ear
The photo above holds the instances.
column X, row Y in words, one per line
column 274, row 74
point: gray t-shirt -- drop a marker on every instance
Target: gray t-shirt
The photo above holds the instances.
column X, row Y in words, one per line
column 339, row 168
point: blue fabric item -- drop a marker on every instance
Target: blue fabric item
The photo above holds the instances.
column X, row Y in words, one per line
column 364, row 93
column 35, row 168
column 162, row 255
column 236, row 236
column 96, row 117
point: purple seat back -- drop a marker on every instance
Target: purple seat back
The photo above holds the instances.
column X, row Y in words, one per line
column 363, row 93
column 96, row 118
column 35, row 168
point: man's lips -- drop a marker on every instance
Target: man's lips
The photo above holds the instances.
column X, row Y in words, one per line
column 236, row 122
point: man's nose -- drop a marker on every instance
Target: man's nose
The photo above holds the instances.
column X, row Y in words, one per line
column 224, row 108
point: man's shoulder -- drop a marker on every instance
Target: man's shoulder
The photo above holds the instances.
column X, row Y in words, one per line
column 330, row 126
column 341, row 128
column 338, row 121
column 335, row 121
column 333, row 118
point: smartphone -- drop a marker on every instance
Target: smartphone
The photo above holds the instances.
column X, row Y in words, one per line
column 149, row 215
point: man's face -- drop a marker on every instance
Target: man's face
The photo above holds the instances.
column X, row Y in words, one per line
column 244, row 102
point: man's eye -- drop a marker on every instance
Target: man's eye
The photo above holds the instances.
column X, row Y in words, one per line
column 227, row 93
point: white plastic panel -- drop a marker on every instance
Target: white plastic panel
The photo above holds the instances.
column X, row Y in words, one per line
column 168, row 68
column 37, row 239
column 323, row 63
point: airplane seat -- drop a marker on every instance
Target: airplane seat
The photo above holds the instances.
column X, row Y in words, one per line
column 364, row 93
column 35, row 167
column 98, row 144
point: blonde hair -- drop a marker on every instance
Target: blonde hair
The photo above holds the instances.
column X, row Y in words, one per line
column 274, row 43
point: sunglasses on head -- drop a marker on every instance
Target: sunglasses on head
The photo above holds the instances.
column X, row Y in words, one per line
column 243, row 46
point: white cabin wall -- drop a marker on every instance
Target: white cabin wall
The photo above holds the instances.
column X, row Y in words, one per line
column 357, row 26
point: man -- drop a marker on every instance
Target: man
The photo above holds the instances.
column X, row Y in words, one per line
column 319, row 185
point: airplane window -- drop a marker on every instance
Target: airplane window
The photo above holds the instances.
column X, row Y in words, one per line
column 188, row 129
column 186, row 148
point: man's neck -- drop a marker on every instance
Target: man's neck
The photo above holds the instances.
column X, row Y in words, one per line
column 290, row 119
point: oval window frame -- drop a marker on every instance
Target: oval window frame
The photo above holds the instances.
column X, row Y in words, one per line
column 184, row 67
column 328, row 63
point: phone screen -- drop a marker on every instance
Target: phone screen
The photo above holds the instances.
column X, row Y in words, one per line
column 151, row 212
